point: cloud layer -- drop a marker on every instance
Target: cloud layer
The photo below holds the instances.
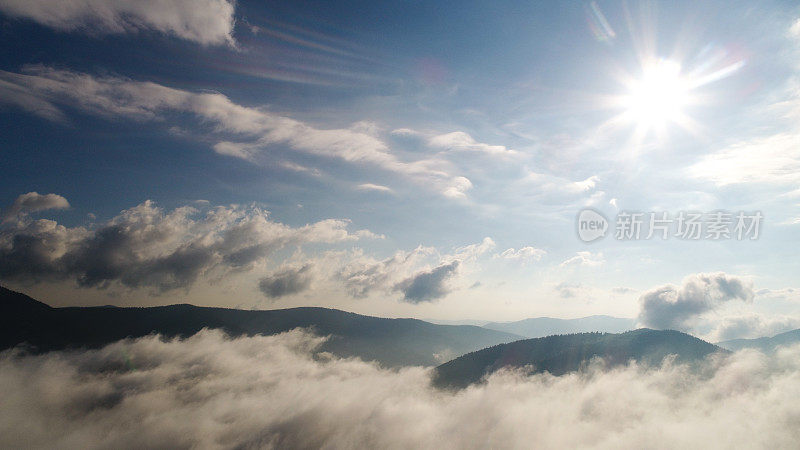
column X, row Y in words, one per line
column 146, row 246
column 203, row 21
column 269, row 392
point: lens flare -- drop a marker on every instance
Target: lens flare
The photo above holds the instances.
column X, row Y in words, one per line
column 663, row 92
column 659, row 96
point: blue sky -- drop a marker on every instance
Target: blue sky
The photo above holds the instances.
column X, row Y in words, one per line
column 421, row 159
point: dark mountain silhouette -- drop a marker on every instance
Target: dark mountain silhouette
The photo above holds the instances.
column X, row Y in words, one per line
column 765, row 344
column 567, row 353
column 392, row 342
column 548, row 326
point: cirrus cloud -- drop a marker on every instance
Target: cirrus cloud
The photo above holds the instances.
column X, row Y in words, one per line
column 239, row 131
column 208, row 22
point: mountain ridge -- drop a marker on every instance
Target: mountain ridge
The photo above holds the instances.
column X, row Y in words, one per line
column 560, row 354
column 391, row 342
column 765, row 343
column 536, row 327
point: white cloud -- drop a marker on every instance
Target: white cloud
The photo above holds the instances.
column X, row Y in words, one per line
column 299, row 168
column 523, row 254
column 268, row 392
column 405, row 132
column 461, row 141
column 459, row 188
column 146, row 246
column 772, row 160
column 255, row 129
column 204, row 21
column 473, row 251
column 551, row 183
column 584, row 259
column 420, row 275
column 363, row 274
column 34, row 202
column 374, row 187
column 556, row 190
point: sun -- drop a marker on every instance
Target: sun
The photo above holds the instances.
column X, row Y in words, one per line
column 662, row 94
column 658, row 97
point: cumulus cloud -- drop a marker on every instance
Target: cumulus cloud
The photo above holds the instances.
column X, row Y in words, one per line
column 458, row 188
column 286, row 282
column 240, row 131
column 472, row 251
column 270, row 392
column 420, row 275
column 34, row 202
column 203, row 21
column 584, row 259
column 677, row 307
column 428, row 285
column 146, row 246
column 362, row 275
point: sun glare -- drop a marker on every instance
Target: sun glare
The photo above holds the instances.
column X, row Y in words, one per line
column 659, row 96
column 663, row 92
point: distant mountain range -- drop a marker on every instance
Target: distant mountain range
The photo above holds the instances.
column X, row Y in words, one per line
column 391, row 342
column 766, row 344
column 566, row 353
column 547, row 326
column 477, row 323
